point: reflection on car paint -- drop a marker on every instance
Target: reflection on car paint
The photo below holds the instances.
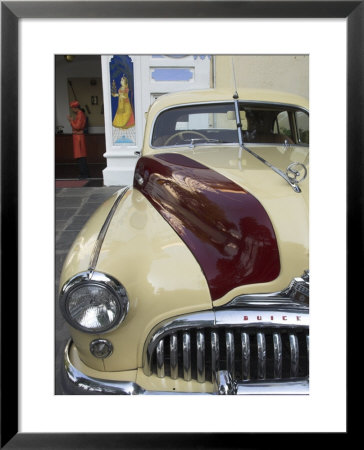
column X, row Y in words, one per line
column 232, row 237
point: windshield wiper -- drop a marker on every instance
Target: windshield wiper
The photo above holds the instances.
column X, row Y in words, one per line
column 292, row 173
column 293, row 178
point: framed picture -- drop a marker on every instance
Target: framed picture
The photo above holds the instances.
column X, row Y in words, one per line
column 11, row 14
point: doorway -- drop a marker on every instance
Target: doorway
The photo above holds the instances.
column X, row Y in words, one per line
column 79, row 77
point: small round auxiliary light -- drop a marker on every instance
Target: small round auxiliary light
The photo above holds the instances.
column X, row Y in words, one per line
column 101, row 348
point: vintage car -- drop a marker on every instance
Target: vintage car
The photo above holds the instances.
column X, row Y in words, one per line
column 195, row 279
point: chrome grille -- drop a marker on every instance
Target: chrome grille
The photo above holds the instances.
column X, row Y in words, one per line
column 247, row 353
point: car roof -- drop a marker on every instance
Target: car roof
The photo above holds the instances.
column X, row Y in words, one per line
column 218, row 95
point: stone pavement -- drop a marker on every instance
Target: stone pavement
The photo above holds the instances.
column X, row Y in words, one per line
column 74, row 206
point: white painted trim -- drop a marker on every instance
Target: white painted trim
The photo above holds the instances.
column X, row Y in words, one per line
column 121, row 160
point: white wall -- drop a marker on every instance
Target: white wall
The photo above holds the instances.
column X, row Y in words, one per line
column 288, row 73
column 82, row 66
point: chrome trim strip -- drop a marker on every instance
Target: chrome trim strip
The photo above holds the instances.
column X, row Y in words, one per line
column 297, row 387
column 276, row 144
column 278, row 355
column 230, row 353
column 293, row 342
column 203, row 144
column 186, row 344
column 89, row 385
column 262, row 356
column 215, row 354
column 267, row 301
column 279, row 300
column 200, row 357
column 100, row 238
column 245, row 347
column 84, row 384
column 261, row 318
column 233, row 317
column 174, row 356
column 160, row 359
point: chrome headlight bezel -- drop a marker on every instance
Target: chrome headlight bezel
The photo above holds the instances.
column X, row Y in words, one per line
column 101, row 280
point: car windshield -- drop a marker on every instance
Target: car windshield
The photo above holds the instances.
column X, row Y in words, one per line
column 215, row 123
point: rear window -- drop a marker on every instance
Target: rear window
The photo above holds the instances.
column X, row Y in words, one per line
column 215, row 123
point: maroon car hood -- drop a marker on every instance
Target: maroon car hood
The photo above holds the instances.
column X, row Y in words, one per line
column 225, row 227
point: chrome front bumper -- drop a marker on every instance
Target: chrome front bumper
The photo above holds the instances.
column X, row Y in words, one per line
column 76, row 382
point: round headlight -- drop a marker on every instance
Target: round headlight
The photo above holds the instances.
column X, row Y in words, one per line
column 94, row 302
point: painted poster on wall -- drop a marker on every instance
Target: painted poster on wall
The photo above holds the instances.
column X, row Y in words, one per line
column 122, row 100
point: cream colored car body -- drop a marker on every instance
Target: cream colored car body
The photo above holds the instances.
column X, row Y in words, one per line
column 160, row 274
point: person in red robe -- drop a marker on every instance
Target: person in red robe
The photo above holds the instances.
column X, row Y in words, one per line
column 78, row 125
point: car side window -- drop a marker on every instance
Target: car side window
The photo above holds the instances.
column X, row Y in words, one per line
column 302, row 123
column 282, row 125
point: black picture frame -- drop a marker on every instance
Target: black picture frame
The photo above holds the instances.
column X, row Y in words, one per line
column 11, row 12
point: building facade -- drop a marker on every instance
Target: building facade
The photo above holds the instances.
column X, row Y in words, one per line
column 116, row 92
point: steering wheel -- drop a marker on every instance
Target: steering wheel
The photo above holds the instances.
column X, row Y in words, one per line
column 180, row 134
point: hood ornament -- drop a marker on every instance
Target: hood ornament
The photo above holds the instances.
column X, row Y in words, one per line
column 296, row 172
column 299, row 288
column 297, row 293
column 293, row 174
